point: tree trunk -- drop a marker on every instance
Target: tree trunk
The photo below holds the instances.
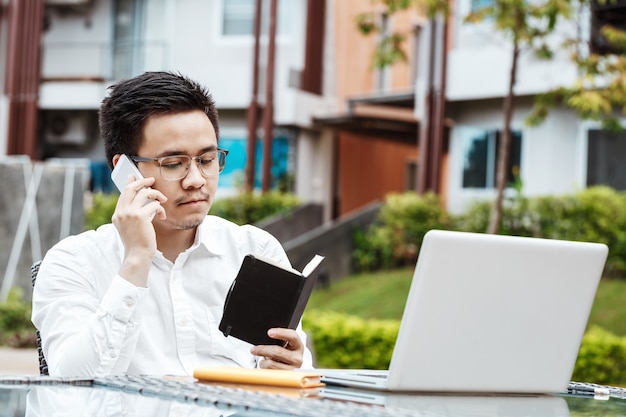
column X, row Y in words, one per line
column 495, row 219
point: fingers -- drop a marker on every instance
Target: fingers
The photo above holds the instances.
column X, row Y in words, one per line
column 138, row 199
column 278, row 357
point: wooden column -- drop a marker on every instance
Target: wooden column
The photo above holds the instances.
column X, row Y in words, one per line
column 268, row 112
column 25, row 26
column 253, row 108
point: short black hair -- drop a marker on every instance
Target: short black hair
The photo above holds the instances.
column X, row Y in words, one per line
column 125, row 110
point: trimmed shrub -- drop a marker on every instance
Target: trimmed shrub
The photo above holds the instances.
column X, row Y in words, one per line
column 245, row 208
column 344, row 341
column 100, row 211
column 392, row 240
column 249, row 207
column 16, row 329
column 601, row 359
column 596, row 214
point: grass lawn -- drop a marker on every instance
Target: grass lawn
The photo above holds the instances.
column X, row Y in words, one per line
column 381, row 295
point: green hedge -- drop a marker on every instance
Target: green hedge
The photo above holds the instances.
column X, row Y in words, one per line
column 601, row 359
column 100, row 211
column 343, row 341
column 244, row 208
column 393, row 238
column 249, row 207
column 16, row 329
column 596, row 214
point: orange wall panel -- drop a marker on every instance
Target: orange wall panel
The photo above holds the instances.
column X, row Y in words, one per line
column 370, row 169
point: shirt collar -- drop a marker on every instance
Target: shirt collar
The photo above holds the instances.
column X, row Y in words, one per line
column 206, row 236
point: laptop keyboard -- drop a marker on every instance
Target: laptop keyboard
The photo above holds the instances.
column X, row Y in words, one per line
column 244, row 402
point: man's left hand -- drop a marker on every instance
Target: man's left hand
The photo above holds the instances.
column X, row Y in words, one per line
column 278, row 357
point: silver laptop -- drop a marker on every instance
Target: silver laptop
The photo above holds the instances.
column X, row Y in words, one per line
column 459, row 405
column 490, row 313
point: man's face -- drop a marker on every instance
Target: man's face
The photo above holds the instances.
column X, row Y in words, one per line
column 190, row 133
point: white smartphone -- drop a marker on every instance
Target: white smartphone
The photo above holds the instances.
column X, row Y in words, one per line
column 122, row 170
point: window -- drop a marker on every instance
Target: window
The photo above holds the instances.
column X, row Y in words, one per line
column 480, row 4
column 128, row 25
column 238, row 17
column 480, row 157
column 606, row 153
column 606, row 13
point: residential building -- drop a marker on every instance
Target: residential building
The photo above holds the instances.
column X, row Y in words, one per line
column 470, row 65
column 88, row 45
column 345, row 133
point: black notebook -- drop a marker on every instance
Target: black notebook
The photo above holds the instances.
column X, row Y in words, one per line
column 266, row 295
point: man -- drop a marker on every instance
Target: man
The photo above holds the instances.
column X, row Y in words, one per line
column 144, row 295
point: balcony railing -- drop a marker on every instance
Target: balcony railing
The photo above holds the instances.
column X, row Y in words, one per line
column 74, row 61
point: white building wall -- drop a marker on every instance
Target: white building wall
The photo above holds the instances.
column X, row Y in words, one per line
column 553, row 154
column 76, row 45
column 479, row 62
column 224, row 63
column 180, row 36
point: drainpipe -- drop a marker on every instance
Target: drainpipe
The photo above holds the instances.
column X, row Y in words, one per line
column 440, row 106
column 268, row 114
column 253, row 108
column 426, row 125
column 432, row 127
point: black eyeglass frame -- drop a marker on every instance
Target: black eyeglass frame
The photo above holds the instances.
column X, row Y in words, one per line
column 221, row 156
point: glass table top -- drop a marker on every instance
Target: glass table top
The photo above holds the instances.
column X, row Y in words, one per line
column 158, row 396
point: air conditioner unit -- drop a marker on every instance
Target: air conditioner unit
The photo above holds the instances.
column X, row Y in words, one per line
column 66, row 127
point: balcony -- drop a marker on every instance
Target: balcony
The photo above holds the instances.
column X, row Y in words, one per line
column 98, row 62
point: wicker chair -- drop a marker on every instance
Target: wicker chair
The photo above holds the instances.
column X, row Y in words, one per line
column 43, row 365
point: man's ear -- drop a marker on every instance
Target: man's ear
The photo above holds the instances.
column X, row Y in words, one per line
column 116, row 158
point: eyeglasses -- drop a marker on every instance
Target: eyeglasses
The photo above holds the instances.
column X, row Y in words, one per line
column 176, row 167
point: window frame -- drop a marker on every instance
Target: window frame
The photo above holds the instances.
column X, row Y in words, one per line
column 491, row 154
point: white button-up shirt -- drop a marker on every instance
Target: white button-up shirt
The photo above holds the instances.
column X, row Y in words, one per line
column 95, row 323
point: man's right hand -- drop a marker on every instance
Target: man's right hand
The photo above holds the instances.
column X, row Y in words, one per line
column 136, row 206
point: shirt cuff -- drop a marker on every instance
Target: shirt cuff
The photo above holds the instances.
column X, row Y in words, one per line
column 121, row 299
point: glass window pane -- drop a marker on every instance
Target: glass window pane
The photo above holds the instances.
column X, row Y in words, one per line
column 475, row 161
column 238, row 17
column 480, row 158
column 480, row 4
column 605, row 158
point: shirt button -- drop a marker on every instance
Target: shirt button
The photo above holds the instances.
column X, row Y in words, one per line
column 130, row 303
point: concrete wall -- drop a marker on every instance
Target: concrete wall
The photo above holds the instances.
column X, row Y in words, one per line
column 41, row 203
column 334, row 241
column 285, row 227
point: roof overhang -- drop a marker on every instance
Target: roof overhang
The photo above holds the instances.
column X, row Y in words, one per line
column 389, row 116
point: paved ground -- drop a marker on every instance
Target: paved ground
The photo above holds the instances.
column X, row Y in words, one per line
column 18, row 361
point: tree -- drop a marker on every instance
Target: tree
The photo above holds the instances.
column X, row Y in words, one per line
column 527, row 25
column 600, row 92
column 390, row 46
